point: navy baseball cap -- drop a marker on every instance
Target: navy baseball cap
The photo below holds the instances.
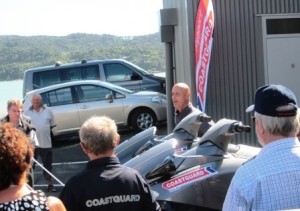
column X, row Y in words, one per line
column 268, row 98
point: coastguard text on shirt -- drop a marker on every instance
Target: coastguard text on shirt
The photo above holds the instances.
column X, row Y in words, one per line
column 112, row 199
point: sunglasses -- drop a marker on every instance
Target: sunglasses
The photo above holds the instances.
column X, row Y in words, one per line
column 253, row 118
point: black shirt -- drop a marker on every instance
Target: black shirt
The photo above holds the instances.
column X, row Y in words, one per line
column 107, row 185
column 180, row 115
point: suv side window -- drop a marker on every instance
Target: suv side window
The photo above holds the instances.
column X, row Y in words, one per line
column 55, row 76
column 117, row 72
column 91, row 72
column 45, row 78
column 70, row 74
column 79, row 73
column 58, row 97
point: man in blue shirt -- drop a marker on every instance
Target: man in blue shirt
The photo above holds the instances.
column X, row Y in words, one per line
column 271, row 181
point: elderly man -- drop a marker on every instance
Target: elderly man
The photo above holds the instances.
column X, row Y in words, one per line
column 42, row 119
column 181, row 101
column 105, row 184
column 270, row 181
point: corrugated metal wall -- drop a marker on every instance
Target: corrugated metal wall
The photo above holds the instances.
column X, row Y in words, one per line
column 234, row 76
column 234, row 69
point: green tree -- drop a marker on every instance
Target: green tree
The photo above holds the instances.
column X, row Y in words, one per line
column 18, row 53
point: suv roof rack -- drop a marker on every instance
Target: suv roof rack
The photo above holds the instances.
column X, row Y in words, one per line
column 57, row 63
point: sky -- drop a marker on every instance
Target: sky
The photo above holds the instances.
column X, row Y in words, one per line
column 64, row 17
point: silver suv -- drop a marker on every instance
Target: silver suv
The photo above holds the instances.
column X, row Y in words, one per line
column 116, row 71
column 74, row 102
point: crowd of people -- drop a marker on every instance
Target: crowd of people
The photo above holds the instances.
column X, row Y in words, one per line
column 270, row 181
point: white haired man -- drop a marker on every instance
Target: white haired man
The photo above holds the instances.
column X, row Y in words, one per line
column 42, row 119
column 105, row 184
column 270, row 181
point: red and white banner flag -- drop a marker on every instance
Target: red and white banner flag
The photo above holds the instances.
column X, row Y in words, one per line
column 204, row 26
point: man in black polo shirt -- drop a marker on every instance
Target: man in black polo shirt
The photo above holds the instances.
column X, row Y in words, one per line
column 105, row 184
column 181, row 101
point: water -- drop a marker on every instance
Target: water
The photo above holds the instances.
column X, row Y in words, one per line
column 9, row 90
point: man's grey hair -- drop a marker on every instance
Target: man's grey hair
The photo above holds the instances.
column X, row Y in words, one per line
column 37, row 95
column 282, row 126
column 98, row 134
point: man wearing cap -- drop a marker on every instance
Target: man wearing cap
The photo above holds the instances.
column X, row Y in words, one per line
column 270, row 181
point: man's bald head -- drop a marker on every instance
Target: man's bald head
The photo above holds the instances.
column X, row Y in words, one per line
column 181, row 96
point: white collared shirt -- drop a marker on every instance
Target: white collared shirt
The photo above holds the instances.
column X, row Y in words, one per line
column 42, row 121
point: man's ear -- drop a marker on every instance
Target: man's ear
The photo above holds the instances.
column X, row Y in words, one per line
column 187, row 95
column 260, row 128
column 117, row 141
column 83, row 147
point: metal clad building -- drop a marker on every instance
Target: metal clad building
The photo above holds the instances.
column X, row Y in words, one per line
column 242, row 52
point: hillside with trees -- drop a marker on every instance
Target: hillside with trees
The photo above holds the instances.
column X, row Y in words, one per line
column 18, row 53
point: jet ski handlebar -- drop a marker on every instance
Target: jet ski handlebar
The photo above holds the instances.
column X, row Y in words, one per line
column 239, row 127
column 204, row 118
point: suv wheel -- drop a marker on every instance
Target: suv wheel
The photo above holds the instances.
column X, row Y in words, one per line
column 143, row 119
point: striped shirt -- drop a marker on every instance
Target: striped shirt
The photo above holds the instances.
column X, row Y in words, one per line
column 271, row 181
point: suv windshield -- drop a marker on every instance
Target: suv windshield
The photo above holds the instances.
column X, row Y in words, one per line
column 142, row 71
